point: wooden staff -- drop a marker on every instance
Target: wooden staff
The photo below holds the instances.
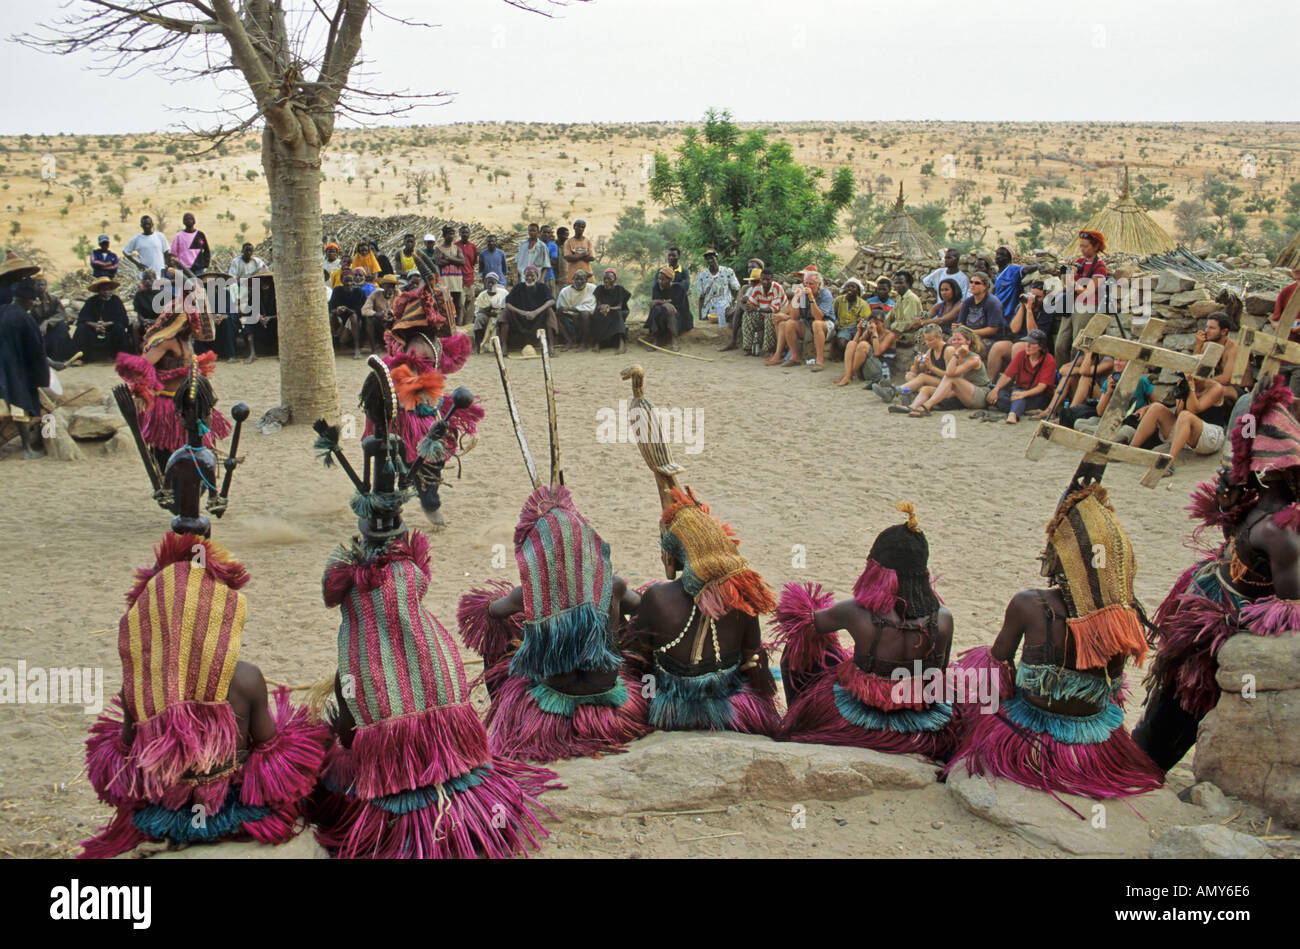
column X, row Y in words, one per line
column 557, row 475
column 514, row 413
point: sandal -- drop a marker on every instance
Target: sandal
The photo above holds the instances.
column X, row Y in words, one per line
column 919, row 412
column 900, row 409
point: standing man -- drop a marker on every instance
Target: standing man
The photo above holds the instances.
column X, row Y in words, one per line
column 553, row 258
column 579, row 253
column 451, row 266
column 948, row 270
column 714, row 288
column 562, row 273
column 1008, row 285
column 532, row 252
column 469, row 251
column 406, row 256
column 492, row 260
column 190, row 246
column 241, row 294
column 103, row 262
column 23, row 366
column 148, row 249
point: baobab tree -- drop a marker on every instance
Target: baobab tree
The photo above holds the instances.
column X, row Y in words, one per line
column 295, row 59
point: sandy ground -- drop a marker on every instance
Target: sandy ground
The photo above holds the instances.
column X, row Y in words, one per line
column 805, row 472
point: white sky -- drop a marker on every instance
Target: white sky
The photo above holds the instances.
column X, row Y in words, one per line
column 836, row 60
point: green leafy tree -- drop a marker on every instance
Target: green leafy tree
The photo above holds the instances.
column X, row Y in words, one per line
column 866, row 217
column 931, row 218
column 1152, row 197
column 641, row 244
column 747, row 197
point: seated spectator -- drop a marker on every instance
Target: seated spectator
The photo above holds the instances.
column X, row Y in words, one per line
column 147, row 305
column 810, row 310
column 854, row 333
column 365, row 280
column 949, row 271
column 345, row 265
column 1028, row 382
column 964, row 377
column 102, row 327
column 1079, row 415
column 377, row 312
column 904, row 319
column 761, row 303
column 1029, row 315
column 385, row 265
column 1200, row 414
column 488, row 308
column 735, row 313
column 609, row 322
column 52, row 320
column 981, row 310
column 1086, row 377
column 947, row 308
column 926, row 369
column 345, row 310
column 882, row 305
column 669, row 309
column 575, row 306
column 529, row 307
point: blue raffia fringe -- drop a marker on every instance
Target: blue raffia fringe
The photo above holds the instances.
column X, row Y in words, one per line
column 905, row 720
column 1069, row 729
column 576, row 639
column 562, row 703
column 703, row 701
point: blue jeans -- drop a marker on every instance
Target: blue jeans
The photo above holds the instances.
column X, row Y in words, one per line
column 1020, row 406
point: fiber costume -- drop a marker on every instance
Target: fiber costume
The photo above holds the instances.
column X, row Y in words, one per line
column 427, row 315
column 1230, row 591
column 410, row 774
column 713, row 690
column 160, row 423
column 567, row 584
column 835, row 699
column 182, row 777
column 1092, row 564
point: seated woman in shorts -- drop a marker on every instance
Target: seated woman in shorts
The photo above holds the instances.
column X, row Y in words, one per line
column 964, row 377
column 926, row 369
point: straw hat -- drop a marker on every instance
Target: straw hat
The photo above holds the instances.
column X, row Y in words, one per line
column 102, row 283
column 388, row 280
column 15, row 268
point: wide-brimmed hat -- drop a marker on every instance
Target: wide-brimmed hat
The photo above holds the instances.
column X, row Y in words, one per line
column 102, row 283
column 388, row 280
column 15, row 268
column 756, row 274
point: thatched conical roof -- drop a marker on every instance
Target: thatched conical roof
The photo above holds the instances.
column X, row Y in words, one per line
column 902, row 229
column 1127, row 228
column 1290, row 256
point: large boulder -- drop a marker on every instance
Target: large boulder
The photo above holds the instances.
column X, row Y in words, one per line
column 302, row 847
column 1203, row 308
column 1188, row 297
column 1249, row 744
column 55, row 435
column 93, row 423
column 1107, row 827
column 1169, row 282
column 670, row 771
column 1206, row 842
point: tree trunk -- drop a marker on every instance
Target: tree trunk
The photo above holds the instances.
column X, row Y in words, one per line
column 307, row 382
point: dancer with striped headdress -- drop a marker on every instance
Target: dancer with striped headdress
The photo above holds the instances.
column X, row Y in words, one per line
column 191, row 752
column 410, row 774
column 1250, row 584
column 880, row 695
column 697, row 635
column 549, row 646
column 1059, row 723
column 423, row 349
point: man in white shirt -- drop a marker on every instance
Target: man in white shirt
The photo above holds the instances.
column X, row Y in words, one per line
column 577, row 302
column 241, row 268
column 948, row 270
column 487, row 309
column 148, row 249
column 714, row 288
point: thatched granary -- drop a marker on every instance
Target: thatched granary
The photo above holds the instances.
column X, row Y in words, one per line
column 1127, row 229
column 913, row 241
